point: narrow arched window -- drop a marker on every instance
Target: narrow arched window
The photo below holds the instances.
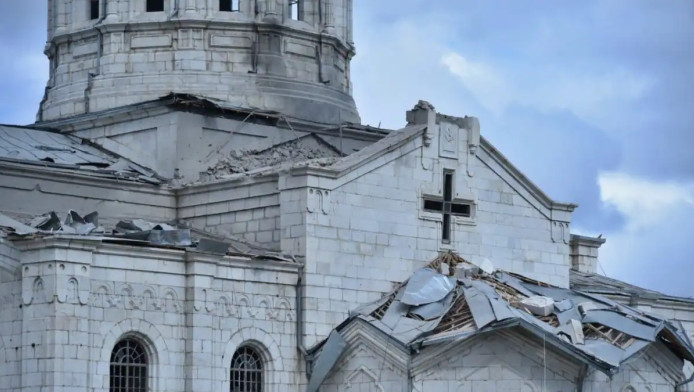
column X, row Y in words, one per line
column 129, row 365
column 246, row 370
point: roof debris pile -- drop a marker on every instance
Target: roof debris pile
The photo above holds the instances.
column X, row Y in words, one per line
column 66, row 152
column 451, row 299
column 305, row 148
column 134, row 232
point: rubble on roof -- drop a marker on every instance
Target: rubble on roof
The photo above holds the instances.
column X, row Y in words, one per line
column 67, row 152
column 305, row 148
column 451, row 300
column 134, row 232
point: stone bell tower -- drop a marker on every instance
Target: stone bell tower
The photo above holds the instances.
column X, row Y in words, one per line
column 291, row 56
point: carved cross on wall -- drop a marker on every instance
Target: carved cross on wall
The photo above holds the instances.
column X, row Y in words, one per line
column 447, row 206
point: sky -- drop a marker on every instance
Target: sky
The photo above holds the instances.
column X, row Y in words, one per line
column 592, row 100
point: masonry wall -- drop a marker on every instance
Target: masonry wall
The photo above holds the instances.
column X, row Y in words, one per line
column 10, row 320
column 257, row 57
column 28, row 192
column 496, row 362
column 367, row 230
column 248, row 210
column 190, row 310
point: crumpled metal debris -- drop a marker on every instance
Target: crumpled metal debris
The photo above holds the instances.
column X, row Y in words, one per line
column 427, row 286
column 155, row 233
column 432, row 308
column 74, row 223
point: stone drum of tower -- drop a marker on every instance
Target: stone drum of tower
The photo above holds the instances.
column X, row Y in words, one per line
column 289, row 56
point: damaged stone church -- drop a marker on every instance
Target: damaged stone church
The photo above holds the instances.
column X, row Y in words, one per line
column 199, row 208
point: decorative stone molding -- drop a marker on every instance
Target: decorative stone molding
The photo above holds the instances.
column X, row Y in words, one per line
column 318, row 201
column 228, row 304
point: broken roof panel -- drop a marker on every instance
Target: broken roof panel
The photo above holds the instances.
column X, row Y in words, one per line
column 597, row 330
column 137, row 232
column 52, row 149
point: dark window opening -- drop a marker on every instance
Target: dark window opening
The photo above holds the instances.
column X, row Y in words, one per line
column 128, row 370
column 460, row 209
column 94, row 9
column 295, row 9
column 246, row 371
column 155, row 5
column 447, row 206
column 229, row 5
column 446, row 233
column 433, row 205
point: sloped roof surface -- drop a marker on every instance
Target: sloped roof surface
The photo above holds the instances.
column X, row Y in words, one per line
column 599, row 284
column 51, row 149
column 434, row 307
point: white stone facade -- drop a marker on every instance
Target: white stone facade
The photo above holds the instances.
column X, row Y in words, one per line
column 498, row 361
column 353, row 227
column 67, row 302
column 257, row 57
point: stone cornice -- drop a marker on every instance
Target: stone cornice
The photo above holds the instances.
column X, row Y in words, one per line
column 29, row 177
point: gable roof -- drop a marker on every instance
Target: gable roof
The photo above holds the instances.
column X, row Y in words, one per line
column 433, row 308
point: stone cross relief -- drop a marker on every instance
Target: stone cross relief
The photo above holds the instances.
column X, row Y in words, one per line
column 447, row 206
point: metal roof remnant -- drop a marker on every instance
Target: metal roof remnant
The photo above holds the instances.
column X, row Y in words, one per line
column 59, row 151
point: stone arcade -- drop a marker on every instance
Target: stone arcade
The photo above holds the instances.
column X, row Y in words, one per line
column 198, row 208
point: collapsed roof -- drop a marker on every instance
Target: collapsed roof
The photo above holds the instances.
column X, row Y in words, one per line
column 453, row 300
column 300, row 149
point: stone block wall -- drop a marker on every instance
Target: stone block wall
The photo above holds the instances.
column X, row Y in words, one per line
column 370, row 231
column 251, row 59
column 190, row 310
column 10, row 317
column 246, row 211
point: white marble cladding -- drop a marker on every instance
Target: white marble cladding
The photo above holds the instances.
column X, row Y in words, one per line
column 365, row 230
column 197, row 49
column 66, row 302
column 247, row 210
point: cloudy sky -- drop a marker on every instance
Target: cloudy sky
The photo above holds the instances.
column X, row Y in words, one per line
column 593, row 100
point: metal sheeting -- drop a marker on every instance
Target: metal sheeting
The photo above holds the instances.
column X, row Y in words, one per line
column 484, row 302
column 620, row 323
column 330, row 353
column 427, row 286
column 480, row 307
column 16, row 227
column 35, row 145
column 52, row 149
column 434, row 309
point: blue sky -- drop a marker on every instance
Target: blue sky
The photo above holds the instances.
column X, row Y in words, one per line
column 593, row 100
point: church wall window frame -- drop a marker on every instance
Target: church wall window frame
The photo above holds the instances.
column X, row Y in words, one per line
column 248, row 370
column 131, row 365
